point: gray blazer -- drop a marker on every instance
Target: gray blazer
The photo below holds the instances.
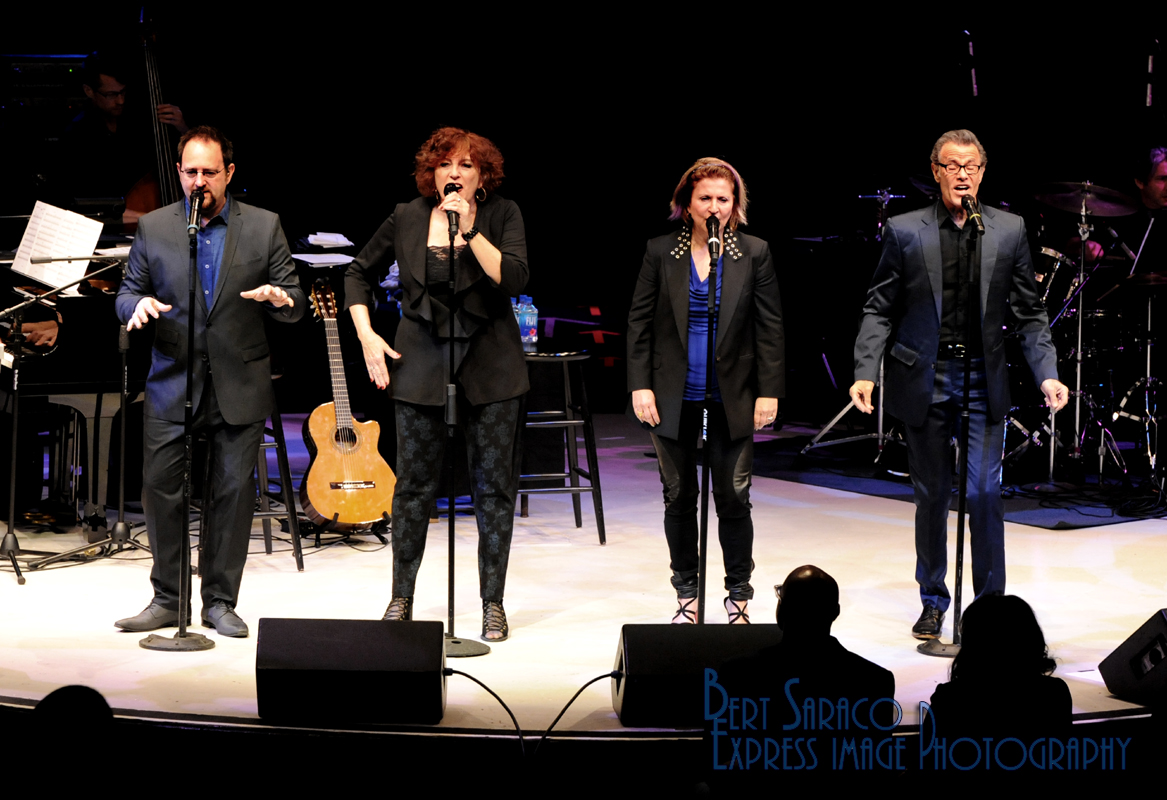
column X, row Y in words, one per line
column 902, row 314
column 229, row 341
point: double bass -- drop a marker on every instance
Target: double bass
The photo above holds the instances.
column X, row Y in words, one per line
column 160, row 187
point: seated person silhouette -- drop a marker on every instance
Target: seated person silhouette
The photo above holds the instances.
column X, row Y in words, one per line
column 814, row 684
column 1000, row 682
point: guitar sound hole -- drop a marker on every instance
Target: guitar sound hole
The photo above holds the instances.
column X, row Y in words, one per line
column 345, row 438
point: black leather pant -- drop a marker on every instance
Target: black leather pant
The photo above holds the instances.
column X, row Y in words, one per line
column 730, row 465
column 493, row 455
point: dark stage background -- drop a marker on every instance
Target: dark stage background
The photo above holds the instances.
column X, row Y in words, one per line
column 597, row 120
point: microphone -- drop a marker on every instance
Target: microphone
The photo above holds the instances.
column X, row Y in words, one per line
column 196, row 210
column 713, row 227
column 974, row 212
column 453, row 215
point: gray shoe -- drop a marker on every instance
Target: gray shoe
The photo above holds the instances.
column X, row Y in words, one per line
column 152, row 618
column 224, row 620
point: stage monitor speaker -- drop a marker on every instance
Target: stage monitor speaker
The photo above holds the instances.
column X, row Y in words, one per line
column 1136, row 671
column 350, row 670
column 664, row 666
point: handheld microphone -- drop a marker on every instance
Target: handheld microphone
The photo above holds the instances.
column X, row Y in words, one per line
column 196, row 210
column 453, row 215
column 974, row 212
column 713, row 226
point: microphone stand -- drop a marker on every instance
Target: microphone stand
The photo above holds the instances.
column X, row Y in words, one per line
column 455, row 647
column 10, row 546
column 184, row 640
column 935, row 647
column 710, row 347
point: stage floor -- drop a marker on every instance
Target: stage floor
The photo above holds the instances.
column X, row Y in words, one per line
column 567, row 598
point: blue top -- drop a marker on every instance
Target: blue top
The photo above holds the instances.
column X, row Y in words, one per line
column 698, row 333
column 212, row 240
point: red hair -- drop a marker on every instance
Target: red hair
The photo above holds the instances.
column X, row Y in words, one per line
column 447, row 142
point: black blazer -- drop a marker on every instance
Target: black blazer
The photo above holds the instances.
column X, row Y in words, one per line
column 750, row 349
column 904, row 305
column 230, row 340
column 491, row 349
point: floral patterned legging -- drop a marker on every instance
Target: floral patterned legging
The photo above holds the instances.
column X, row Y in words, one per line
column 492, row 451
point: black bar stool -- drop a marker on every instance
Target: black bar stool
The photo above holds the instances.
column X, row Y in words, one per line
column 574, row 415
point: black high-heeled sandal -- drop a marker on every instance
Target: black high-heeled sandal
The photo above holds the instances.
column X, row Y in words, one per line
column 737, row 611
column 400, row 610
column 686, row 611
column 494, row 620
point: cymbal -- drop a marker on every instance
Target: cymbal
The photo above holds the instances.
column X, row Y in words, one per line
column 1100, row 201
column 1147, row 279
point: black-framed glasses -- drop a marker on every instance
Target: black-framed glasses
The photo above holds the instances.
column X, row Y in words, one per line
column 111, row 95
column 778, row 590
column 208, row 174
column 952, row 169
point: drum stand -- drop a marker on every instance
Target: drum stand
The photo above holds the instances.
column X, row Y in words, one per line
column 1084, row 230
column 10, row 548
column 1147, row 386
column 882, row 198
column 881, row 437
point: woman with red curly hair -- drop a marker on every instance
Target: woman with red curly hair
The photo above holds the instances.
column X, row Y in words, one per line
column 455, row 171
column 668, row 334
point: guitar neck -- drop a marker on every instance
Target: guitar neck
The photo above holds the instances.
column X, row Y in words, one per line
column 344, row 414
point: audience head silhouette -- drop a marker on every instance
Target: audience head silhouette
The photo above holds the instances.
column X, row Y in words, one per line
column 808, row 603
column 1001, row 640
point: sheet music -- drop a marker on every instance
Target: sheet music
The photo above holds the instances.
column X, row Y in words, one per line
column 323, row 259
column 54, row 232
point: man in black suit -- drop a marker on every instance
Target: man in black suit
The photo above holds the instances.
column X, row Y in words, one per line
column 940, row 295
column 244, row 270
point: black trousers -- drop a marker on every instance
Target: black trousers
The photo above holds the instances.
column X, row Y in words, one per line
column 493, row 457
column 731, row 463
column 228, row 511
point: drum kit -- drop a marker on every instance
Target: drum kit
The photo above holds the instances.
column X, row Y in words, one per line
column 1085, row 296
column 1093, row 343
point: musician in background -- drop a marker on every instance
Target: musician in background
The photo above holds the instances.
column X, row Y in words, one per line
column 245, row 273
column 939, row 296
column 108, row 149
column 490, row 267
column 1150, row 179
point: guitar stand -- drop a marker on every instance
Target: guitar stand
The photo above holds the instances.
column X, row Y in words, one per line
column 380, row 528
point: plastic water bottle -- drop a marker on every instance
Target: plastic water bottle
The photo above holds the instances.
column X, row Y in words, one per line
column 515, row 308
column 528, row 322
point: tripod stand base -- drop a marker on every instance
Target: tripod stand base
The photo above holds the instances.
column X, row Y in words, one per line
column 462, row 648
column 937, row 648
column 192, row 641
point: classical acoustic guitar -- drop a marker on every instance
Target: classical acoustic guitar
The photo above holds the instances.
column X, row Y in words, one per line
column 348, row 486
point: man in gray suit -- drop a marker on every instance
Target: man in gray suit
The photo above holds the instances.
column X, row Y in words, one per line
column 940, row 295
column 244, row 269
